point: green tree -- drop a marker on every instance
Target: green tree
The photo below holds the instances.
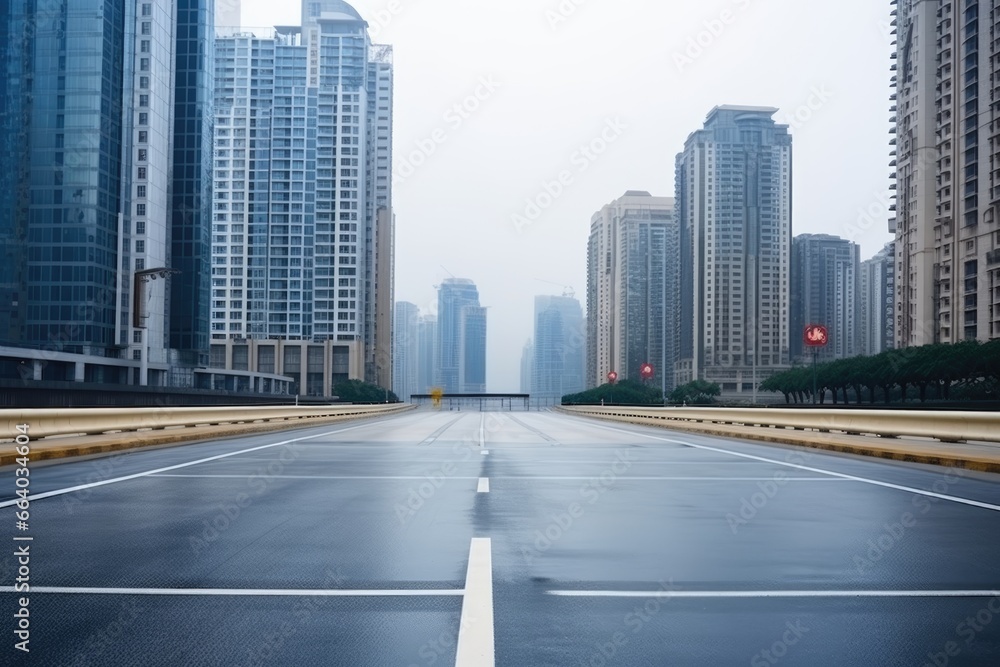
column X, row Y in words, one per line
column 356, row 391
column 699, row 392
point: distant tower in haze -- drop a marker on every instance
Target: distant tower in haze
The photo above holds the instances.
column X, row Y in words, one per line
column 405, row 350
column 455, row 354
column 559, row 347
column 527, row 366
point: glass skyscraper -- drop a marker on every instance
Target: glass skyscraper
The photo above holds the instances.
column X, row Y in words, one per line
column 107, row 127
column 460, row 362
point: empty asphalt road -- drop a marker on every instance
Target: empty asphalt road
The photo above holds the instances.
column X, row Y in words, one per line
column 516, row 539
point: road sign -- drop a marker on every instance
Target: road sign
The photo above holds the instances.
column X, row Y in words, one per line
column 647, row 371
column 612, row 377
column 436, row 395
column 816, row 336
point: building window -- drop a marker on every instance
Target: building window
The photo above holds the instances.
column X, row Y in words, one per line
column 143, row 136
column 140, row 227
column 143, row 64
column 143, row 118
column 144, row 82
column 144, row 46
column 140, row 210
column 141, row 174
column 140, row 246
column 147, row 9
column 147, row 28
column 140, row 264
column 142, row 154
column 140, row 191
column 144, row 100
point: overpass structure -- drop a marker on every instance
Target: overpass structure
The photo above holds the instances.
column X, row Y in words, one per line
column 396, row 536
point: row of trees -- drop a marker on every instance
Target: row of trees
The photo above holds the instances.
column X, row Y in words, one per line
column 935, row 371
column 630, row 392
column 356, row 391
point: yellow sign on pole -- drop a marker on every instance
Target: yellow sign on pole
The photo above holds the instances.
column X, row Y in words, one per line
column 437, row 393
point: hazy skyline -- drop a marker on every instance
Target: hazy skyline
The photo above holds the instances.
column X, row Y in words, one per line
column 539, row 81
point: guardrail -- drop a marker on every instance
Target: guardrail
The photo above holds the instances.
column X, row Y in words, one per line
column 45, row 423
column 943, row 426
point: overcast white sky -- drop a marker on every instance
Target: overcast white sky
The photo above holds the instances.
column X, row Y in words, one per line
column 560, row 79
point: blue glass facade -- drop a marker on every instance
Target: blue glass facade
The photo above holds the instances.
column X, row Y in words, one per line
column 192, row 181
column 62, row 136
column 453, row 295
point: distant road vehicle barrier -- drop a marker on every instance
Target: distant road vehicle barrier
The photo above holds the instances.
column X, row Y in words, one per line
column 943, row 426
column 45, row 423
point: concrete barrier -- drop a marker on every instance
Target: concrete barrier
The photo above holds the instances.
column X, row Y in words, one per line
column 943, row 426
column 44, row 423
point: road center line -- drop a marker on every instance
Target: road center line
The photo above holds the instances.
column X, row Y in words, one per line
column 776, row 594
column 475, row 634
column 290, row 592
column 874, row 482
column 484, row 485
column 125, row 478
column 482, row 431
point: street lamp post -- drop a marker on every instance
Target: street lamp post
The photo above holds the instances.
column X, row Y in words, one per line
column 139, row 315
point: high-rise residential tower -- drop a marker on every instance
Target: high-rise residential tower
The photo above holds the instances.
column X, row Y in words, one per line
column 734, row 200
column 825, row 291
column 945, row 152
column 458, row 359
column 527, row 366
column 559, row 348
column 632, row 289
column 877, row 298
column 303, row 229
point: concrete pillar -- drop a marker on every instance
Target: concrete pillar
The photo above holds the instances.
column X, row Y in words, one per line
column 36, row 369
column 80, row 374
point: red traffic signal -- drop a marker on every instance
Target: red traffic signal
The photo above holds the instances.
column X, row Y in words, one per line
column 646, row 371
column 612, row 377
column 816, row 336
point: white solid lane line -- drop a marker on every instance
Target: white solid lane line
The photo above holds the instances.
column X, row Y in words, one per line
column 290, row 592
column 776, row 594
column 485, row 452
column 404, row 477
column 484, row 485
column 125, row 478
column 475, row 634
column 686, row 479
column 482, row 431
column 874, row 482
